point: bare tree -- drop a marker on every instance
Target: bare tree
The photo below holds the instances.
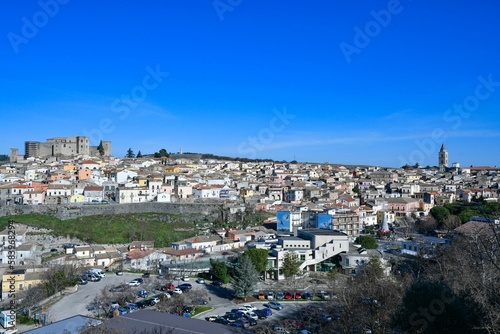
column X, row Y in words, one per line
column 368, row 303
column 59, row 277
column 471, row 266
column 174, row 305
column 452, row 222
column 30, row 298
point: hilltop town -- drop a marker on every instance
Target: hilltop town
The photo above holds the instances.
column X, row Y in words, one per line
column 319, row 211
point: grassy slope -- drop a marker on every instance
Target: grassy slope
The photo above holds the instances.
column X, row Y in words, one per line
column 114, row 229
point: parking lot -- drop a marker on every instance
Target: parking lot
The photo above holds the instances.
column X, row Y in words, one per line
column 76, row 303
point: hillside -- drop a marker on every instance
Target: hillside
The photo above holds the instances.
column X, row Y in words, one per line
column 162, row 228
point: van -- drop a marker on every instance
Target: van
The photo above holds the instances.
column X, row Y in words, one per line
column 93, row 277
column 98, row 272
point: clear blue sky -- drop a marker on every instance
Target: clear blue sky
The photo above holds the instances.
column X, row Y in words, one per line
column 307, row 80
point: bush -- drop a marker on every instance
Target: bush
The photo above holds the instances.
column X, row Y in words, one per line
column 366, row 242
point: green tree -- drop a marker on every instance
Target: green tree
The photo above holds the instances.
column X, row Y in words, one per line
column 220, row 270
column 130, row 153
column 139, row 154
column 258, row 258
column 162, row 153
column 356, row 190
column 245, row 277
column 100, row 148
column 440, row 213
column 291, row 264
column 366, row 241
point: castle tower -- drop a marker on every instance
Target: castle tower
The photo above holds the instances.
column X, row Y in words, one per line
column 443, row 157
column 14, row 152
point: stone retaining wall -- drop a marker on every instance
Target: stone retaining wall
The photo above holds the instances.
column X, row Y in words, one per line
column 68, row 211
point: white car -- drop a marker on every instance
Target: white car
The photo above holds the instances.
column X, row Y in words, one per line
column 185, row 278
column 177, row 291
column 243, row 309
column 250, row 307
column 134, row 283
column 253, row 315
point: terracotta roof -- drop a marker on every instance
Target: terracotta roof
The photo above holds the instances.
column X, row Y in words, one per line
column 139, row 254
column 89, row 162
column 93, row 188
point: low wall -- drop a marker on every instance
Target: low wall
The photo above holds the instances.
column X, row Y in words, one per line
column 68, row 211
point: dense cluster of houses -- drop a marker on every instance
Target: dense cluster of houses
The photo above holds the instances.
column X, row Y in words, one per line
column 318, row 209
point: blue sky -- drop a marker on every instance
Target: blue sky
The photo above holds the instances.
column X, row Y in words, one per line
column 379, row 83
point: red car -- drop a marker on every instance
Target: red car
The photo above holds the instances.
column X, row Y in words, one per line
column 298, row 295
column 288, row 295
column 168, row 286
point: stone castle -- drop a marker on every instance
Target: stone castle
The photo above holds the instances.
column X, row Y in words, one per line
column 61, row 147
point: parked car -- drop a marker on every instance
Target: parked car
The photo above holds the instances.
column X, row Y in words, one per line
column 139, row 279
column 270, row 295
column 222, row 320
column 240, row 323
column 211, row 318
column 249, row 307
column 146, row 275
column 275, row 305
column 200, row 281
column 150, row 301
column 280, row 296
column 132, row 307
column 288, row 295
column 231, row 316
column 217, row 282
column 81, row 281
column 93, row 306
column 119, row 273
column 324, row 295
column 177, row 291
column 123, row 310
column 267, row 311
column 185, row 286
column 251, row 320
column 141, row 304
column 134, row 283
column 185, row 278
column 142, row 293
column 168, row 286
column 261, row 314
column 252, row 315
column 92, row 277
column 306, row 295
column 200, row 301
column 298, row 295
column 118, row 288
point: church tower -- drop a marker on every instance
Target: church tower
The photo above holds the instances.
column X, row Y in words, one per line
column 443, row 157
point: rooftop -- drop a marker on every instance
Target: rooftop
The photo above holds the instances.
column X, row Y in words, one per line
column 322, row 231
column 147, row 320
